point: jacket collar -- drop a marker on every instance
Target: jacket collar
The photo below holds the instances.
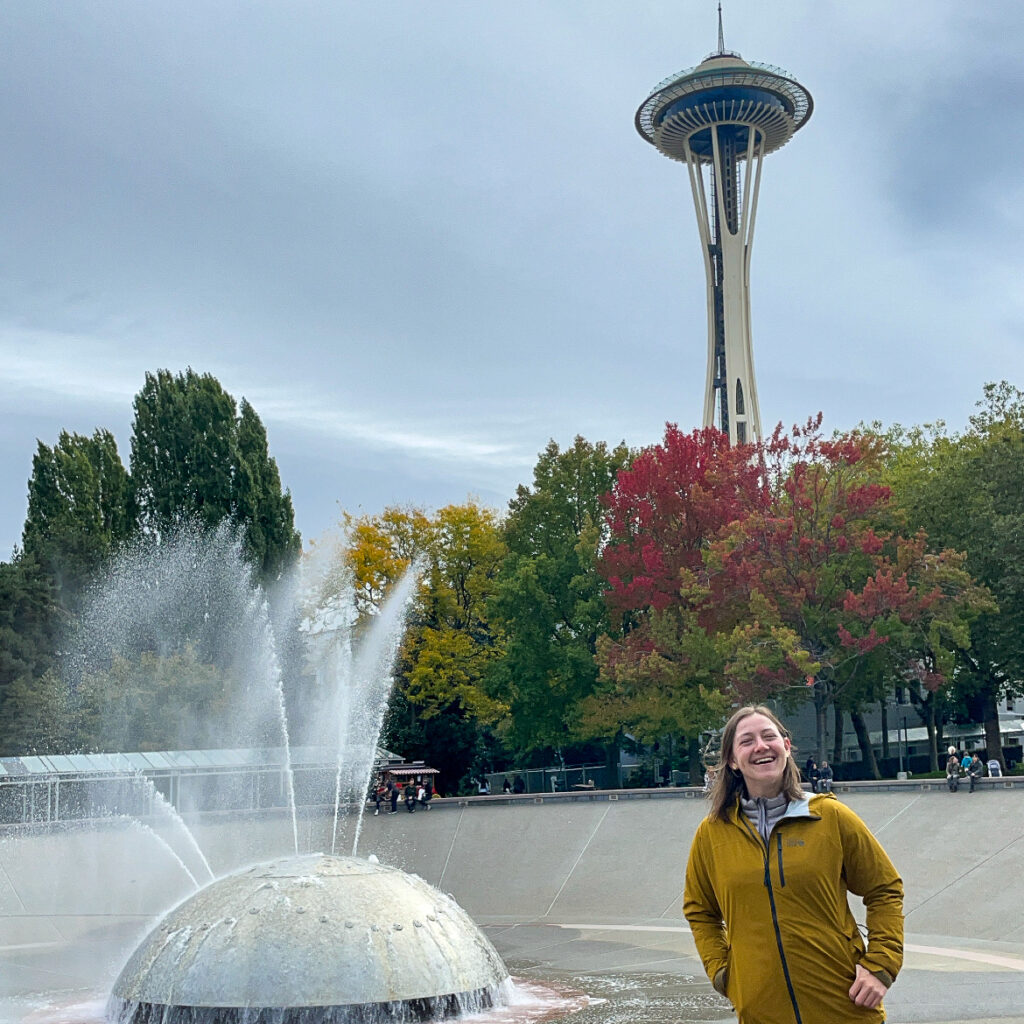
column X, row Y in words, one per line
column 797, row 809
column 800, row 809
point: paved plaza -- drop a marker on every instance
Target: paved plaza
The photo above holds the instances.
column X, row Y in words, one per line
column 582, row 889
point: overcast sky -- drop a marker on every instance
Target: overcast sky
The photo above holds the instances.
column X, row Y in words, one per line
column 423, row 239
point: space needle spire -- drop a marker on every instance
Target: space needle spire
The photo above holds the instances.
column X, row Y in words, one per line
column 721, row 117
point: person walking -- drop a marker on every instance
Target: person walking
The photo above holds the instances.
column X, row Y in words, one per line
column 975, row 770
column 767, row 883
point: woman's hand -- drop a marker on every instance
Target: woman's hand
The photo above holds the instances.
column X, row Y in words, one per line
column 866, row 989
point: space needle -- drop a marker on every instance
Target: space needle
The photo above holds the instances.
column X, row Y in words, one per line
column 725, row 115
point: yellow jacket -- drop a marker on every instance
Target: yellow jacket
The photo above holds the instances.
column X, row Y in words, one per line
column 772, row 924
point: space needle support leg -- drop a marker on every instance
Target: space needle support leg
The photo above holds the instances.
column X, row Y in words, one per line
column 726, row 253
column 750, row 207
column 755, row 153
column 700, row 203
column 699, row 199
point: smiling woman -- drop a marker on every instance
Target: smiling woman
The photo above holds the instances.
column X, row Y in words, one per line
column 770, row 869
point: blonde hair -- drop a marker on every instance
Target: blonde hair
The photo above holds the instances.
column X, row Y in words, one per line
column 728, row 785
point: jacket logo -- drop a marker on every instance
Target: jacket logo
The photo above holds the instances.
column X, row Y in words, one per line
column 794, row 842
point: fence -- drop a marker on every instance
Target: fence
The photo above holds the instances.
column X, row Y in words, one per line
column 68, row 788
column 556, row 780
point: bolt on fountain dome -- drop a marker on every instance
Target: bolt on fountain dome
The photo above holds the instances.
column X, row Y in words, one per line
column 314, row 939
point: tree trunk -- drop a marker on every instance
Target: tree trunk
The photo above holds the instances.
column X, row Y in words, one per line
column 925, row 707
column 837, row 734
column 993, row 738
column 820, row 704
column 696, row 763
column 885, row 730
column 611, row 764
column 934, row 736
column 864, row 742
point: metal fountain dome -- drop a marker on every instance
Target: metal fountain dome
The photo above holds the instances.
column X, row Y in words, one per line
column 312, row 939
column 723, row 89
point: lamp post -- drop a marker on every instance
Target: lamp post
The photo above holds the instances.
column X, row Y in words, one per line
column 903, row 740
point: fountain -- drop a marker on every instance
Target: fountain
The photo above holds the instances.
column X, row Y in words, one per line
column 308, row 937
column 307, row 940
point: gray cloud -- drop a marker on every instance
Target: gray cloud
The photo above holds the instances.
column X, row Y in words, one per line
column 424, row 239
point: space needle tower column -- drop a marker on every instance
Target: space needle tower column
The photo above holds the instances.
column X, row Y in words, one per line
column 722, row 117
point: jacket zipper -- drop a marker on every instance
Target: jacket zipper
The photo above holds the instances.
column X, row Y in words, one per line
column 775, row 916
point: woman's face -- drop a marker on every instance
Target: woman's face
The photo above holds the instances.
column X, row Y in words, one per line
column 760, row 753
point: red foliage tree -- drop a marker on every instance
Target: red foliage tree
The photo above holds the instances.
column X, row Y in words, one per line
column 825, row 559
column 661, row 674
column 664, row 511
column 769, row 570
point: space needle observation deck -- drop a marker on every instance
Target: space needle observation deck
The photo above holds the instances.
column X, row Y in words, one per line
column 725, row 115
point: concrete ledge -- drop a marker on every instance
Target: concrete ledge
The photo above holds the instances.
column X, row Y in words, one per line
column 696, row 792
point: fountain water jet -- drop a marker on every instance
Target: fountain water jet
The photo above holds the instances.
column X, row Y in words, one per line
column 308, row 938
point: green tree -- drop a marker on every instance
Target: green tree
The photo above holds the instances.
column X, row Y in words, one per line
column 549, row 596
column 151, row 702
column 967, row 491
column 31, row 708
column 440, row 709
column 454, row 643
column 79, row 509
column 260, row 504
column 193, row 457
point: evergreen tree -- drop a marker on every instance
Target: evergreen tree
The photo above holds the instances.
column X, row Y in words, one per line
column 194, row 457
column 260, row 503
column 30, row 706
column 79, row 509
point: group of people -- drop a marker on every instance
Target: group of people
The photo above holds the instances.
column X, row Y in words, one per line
column 960, row 765
column 819, row 778
column 391, row 792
